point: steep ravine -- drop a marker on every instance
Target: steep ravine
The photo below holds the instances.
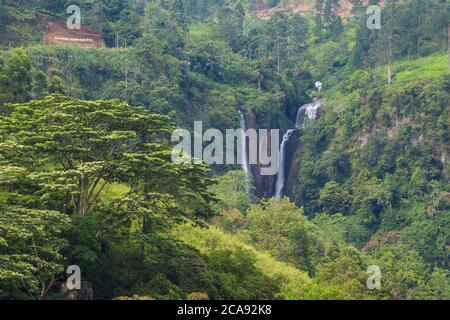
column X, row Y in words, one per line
column 284, row 183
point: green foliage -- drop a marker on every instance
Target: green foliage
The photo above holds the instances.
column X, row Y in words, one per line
column 436, row 287
column 92, row 183
column 63, row 153
column 56, row 86
column 290, row 280
column 386, row 164
column 16, row 78
column 282, row 229
column 232, row 190
column 30, row 251
column 344, row 278
column 404, row 271
column 237, row 278
column 333, row 199
column 411, row 29
column 84, row 155
column 40, row 85
column 327, row 22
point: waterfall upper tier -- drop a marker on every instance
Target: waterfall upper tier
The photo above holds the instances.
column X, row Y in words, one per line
column 310, row 110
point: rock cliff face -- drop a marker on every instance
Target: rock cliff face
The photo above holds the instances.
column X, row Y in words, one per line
column 263, row 185
column 294, row 167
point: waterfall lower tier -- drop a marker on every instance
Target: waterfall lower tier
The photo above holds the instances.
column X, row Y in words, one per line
column 279, row 188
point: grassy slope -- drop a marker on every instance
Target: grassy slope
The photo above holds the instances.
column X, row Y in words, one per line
column 206, row 240
column 427, row 68
column 422, row 69
column 293, row 281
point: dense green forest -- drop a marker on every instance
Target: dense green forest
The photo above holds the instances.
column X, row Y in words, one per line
column 86, row 176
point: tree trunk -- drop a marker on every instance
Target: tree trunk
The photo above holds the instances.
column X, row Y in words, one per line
column 389, row 72
column 418, row 38
column 448, row 46
column 390, row 59
column 278, row 58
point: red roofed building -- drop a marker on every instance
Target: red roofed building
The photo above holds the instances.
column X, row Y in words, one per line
column 57, row 33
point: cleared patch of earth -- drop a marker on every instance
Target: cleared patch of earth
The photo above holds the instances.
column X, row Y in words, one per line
column 304, row 7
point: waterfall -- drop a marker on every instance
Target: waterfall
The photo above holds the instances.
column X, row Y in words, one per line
column 282, row 165
column 311, row 111
column 244, row 158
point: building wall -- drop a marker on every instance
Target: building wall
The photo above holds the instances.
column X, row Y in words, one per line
column 57, row 33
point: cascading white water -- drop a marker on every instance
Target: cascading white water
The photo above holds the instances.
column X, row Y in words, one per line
column 281, row 165
column 244, row 158
column 311, row 111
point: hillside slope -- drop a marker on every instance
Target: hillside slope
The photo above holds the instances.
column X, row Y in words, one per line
column 87, row 177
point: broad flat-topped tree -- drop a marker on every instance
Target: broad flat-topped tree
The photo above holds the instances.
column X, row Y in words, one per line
column 73, row 149
column 78, row 147
column 58, row 156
